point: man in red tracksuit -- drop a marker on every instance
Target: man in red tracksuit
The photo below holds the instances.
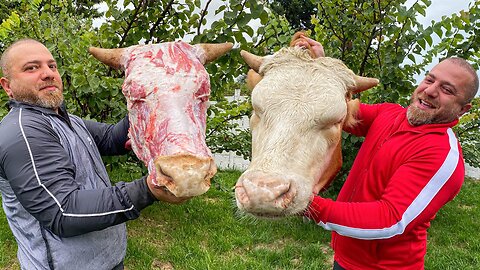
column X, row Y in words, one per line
column 408, row 167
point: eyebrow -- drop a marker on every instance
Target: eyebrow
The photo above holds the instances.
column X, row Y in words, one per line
column 443, row 82
column 38, row 62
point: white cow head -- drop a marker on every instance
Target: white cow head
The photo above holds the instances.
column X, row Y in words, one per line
column 299, row 106
column 167, row 91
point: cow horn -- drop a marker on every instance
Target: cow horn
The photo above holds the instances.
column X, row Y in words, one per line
column 214, row 51
column 109, row 57
column 363, row 83
column 252, row 60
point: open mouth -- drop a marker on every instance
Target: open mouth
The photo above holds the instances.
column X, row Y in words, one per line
column 166, row 190
column 426, row 104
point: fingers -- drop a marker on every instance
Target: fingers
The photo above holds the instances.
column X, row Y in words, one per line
column 161, row 193
column 311, row 44
column 128, row 145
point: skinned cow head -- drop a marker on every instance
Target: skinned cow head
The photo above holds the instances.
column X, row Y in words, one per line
column 167, row 90
column 299, row 105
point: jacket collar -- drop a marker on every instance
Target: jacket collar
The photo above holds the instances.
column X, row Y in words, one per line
column 62, row 111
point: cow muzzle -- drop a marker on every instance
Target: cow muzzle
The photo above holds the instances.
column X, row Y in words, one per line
column 269, row 195
column 184, row 175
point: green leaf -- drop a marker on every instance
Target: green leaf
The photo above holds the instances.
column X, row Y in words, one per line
column 412, row 58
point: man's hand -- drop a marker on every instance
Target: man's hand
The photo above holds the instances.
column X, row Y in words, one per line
column 301, row 40
column 162, row 194
column 128, row 145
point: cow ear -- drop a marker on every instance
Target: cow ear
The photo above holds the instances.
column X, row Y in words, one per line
column 363, row 83
column 252, row 79
column 352, row 110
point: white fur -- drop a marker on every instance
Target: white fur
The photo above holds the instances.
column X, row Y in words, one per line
column 297, row 107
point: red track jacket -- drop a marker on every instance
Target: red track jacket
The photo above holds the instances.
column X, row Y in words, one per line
column 400, row 179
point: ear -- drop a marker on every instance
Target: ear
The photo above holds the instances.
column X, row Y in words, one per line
column 252, row 79
column 352, row 110
column 6, row 86
column 465, row 109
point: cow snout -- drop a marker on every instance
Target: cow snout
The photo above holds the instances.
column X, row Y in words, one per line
column 265, row 195
column 185, row 175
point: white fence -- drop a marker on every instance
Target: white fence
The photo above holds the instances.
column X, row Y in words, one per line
column 229, row 160
column 472, row 172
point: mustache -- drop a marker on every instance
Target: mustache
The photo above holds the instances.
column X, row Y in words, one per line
column 48, row 84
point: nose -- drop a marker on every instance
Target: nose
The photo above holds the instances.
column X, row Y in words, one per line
column 185, row 175
column 264, row 194
column 47, row 73
column 432, row 89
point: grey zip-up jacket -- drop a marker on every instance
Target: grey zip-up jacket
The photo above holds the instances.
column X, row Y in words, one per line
column 56, row 194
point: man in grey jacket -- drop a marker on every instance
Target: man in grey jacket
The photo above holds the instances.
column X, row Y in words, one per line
column 56, row 194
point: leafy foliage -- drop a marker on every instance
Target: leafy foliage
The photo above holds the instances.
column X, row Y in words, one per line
column 468, row 132
column 227, row 117
column 297, row 12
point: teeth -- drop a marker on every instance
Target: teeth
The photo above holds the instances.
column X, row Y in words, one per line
column 426, row 104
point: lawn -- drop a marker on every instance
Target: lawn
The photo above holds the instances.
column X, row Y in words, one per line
column 208, row 233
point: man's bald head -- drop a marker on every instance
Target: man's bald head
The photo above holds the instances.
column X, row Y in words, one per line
column 472, row 87
column 5, row 63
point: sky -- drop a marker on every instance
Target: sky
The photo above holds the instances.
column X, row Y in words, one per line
column 439, row 8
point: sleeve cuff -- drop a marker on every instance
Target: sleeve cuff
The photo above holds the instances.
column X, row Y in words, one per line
column 315, row 209
column 139, row 193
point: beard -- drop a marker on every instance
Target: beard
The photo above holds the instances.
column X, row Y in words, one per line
column 417, row 117
column 43, row 98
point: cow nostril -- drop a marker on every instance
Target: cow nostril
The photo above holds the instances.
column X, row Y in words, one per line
column 285, row 199
column 265, row 190
column 241, row 195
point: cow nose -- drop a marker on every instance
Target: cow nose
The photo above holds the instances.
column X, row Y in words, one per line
column 185, row 175
column 264, row 195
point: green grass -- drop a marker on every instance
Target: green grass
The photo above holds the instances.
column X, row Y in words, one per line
column 208, row 233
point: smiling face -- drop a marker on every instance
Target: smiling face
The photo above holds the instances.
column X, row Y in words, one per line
column 31, row 75
column 440, row 97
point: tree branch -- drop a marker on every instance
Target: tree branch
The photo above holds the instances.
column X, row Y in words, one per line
column 328, row 21
column 225, row 120
column 202, row 16
column 129, row 25
column 162, row 16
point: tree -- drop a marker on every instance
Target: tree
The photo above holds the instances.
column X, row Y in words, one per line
column 6, row 7
column 297, row 12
